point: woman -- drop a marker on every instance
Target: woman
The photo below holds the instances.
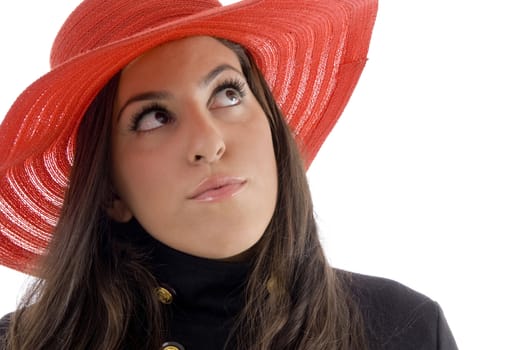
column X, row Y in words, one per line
column 185, row 220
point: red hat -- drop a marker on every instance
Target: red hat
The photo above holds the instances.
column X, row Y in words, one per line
column 311, row 53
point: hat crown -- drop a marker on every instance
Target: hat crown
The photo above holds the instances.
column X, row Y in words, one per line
column 97, row 23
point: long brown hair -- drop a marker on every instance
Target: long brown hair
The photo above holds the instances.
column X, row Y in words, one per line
column 95, row 291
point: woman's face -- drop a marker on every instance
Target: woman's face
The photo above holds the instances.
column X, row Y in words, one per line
column 192, row 153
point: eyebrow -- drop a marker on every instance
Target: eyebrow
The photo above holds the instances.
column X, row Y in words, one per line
column 163, row 95
column 215, row 72
column 150, row 95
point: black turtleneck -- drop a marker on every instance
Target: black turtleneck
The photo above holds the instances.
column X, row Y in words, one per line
column 206, row 294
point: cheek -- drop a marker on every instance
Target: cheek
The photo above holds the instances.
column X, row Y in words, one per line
column 138, row 175
column 263, row 155
column 128, row 178
column 266, row 158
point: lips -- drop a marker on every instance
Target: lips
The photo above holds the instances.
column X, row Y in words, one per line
column 217, row 188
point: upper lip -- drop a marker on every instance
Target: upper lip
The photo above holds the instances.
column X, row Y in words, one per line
column 213, row 182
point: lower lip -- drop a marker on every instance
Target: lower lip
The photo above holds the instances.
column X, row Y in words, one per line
column 220, row 193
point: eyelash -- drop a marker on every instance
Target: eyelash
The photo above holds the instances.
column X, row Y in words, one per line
column 231, row 83
column 152, row 107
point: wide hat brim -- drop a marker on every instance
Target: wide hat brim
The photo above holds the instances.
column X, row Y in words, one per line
column 310, row 52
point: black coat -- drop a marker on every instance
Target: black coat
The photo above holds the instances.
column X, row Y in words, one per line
column 396, row 317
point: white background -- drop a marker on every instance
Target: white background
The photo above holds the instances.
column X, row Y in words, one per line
column 423, row 178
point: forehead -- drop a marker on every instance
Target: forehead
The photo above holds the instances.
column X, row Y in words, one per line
column 198, row 52
column 179, row 64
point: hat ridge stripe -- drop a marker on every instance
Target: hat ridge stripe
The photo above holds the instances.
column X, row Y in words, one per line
column 20, row 199
column 321, row 57
column 23, row 197
column 27, row 242
column 321, row 77
column 53, row 197
column 52, row 164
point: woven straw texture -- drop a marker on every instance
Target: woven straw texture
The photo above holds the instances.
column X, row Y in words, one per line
column 311, row 52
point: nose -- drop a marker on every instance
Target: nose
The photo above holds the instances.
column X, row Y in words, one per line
column 207, row 144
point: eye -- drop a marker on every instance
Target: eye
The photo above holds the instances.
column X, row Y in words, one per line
column 227, row 97
column 150, row 118
column 228, row 93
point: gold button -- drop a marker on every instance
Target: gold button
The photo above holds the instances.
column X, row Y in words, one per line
column 164, row 297
column 272, row 285
column 171, row 345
